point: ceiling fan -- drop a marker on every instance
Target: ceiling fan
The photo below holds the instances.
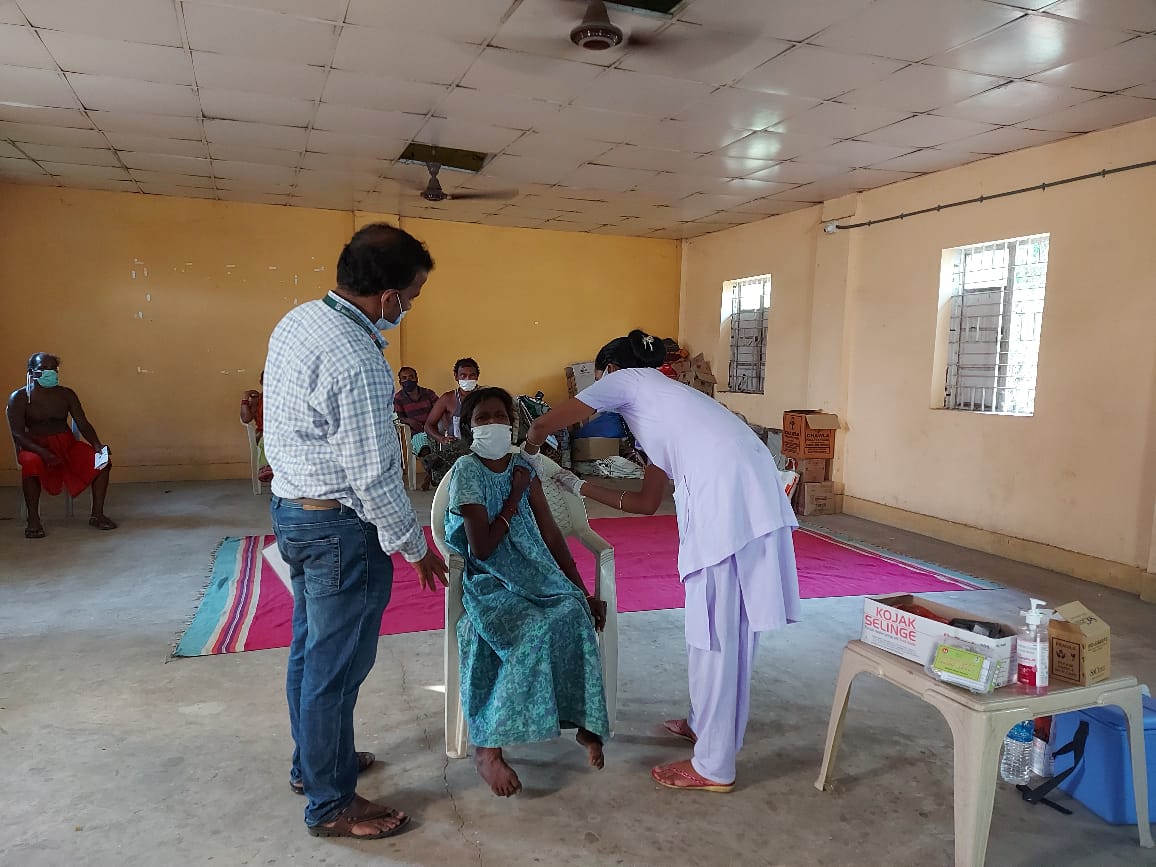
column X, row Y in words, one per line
column 433, row 191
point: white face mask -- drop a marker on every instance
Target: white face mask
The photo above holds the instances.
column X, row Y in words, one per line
column 492, row 441
column 467, row 384
column 384, row 324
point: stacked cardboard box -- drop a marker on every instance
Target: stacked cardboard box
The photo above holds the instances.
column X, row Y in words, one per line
column 696, row 373
column 809, row 439
column 579, row 375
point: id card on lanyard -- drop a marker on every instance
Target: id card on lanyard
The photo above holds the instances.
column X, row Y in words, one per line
column 356, row 317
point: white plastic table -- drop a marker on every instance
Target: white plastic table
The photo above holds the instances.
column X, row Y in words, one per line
column 979, row 724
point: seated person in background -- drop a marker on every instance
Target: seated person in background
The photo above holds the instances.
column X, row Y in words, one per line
column 413, row 404
column 529, row 654
column 253, row 410
column 50, row 456
column 443, row 427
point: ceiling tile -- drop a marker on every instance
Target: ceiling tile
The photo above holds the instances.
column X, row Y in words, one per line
column 86, row 172
column 155, row 125
column 114, row 185
column 10, row 13
column 794, row 172
column 928, row 160
column 325, row 10
column 837, row 121
column 52, row 135
column 501, row 71
column 262, row 173
column 334, row 182
column 406, row 56
column 462, row 22
column 9, row 151
column 784, row 19
column 153, row 145
column 1117, row 14
column 696, row 53
column 513, row 112
column 252, row 197
column 1030, row 45
column 542, row 145
column 1116, row 68
column 383, row 94
column 684, row 136
column 62, row 117
column 914, row 29
column 854, row 154
column 78, row 52
column 18, row 167
column 920, row 87
column 749, row 188
column 768, row 207
column 173, row 190
column 532, row 169
column 364, row 121
column 1144, row 91
column 81, row 156
column 255, row 134
column 105, row 93
column 44, row 88
column 818, row 72
column 927, row 130
column 1000, row 141
column 721, row 166
column 351, row 144
column 470, row 135
column 819, row 191
column 1016, row 101
column 331, row 163
column 596, row 124
column 171, row 179
column 734, row 108
column 152, row 21
column 635, row 93
column 258, row 33
column 256, row 107
column 775, row 146
column 634, row 157
column 168, row 163
column 222, row 72
column 263, row 156
column 1099, row 113
column 19, row 46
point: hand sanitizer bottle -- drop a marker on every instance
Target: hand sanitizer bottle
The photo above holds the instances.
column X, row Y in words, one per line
column 1032, row 649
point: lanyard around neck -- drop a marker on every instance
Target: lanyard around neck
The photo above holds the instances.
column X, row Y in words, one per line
column 353, row 316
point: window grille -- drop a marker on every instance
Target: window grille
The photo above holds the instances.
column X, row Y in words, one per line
column 746, row 302
column 997, row 309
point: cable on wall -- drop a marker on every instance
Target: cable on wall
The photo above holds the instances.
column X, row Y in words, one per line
column 832, row 227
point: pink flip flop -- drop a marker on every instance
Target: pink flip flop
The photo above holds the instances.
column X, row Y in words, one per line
column 682, row 775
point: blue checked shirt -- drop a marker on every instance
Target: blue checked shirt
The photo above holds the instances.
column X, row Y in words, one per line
column 329, row 430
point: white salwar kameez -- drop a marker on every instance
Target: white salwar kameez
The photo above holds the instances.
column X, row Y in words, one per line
column 735, row 558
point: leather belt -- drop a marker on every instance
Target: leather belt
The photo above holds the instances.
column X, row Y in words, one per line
column 312, row 505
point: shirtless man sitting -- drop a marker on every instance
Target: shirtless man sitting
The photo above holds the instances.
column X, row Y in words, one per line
column 50, row 456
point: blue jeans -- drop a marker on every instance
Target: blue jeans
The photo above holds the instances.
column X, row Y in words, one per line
column 341, row 584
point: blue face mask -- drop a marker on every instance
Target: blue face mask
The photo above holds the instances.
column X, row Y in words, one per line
column 384, row 324
column 48, row 379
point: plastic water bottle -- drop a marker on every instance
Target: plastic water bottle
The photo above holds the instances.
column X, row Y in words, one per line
column 1016, row 765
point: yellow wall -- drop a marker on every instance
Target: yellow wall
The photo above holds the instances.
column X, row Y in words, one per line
column 161, row 308
column 852, row 329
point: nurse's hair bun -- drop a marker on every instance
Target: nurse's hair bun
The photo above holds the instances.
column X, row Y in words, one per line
column 636, row 349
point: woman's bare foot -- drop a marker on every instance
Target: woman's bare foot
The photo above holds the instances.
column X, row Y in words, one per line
column 492, row 768
column 593, row 745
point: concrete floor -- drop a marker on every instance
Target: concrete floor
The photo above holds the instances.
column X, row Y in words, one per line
column 110, row 756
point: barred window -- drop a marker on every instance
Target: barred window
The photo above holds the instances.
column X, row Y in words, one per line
column 745, row 303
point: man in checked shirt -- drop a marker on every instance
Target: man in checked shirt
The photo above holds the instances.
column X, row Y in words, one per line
column 340, row 510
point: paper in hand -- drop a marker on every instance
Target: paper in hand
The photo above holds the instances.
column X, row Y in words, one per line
column 102, row 458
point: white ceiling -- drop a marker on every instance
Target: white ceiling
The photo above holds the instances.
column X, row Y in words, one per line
column 736, row 110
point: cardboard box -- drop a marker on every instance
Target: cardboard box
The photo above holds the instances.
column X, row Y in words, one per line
column 913, row 637
column 579, row 375
column 809, row 433
column 594, row 448
column 813, row 469
column 1080, row 646
column 817, row 498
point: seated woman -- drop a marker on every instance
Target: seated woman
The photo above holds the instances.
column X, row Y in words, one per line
column 529, row 653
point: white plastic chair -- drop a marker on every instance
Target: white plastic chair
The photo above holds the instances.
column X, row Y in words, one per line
column 254, row 457
column 570, row 515
column 69, row 500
